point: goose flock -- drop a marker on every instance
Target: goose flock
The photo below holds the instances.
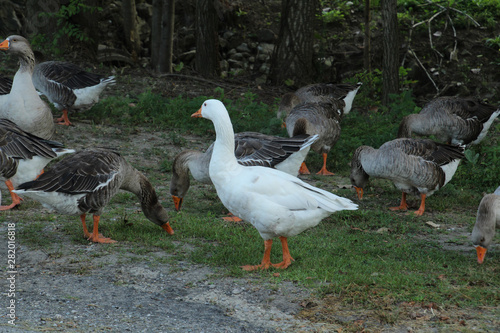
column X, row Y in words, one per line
column 255, row 175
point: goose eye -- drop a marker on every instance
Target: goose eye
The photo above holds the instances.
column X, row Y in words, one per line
column 204, row 104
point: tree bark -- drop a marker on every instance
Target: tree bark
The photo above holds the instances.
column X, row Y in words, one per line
column 167, row 37
column 367, row 40
column 207, row 59
column 130, row 28
column 390, row 62
column 293, row 54
column 156, row 34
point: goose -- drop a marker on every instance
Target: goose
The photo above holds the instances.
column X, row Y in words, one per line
column 276, row 203
column 23, row 105
column 416, row 166
column 24, row 156
column 68, row 86
column 322, row 119
column 452, row 120
column 86, row 181
column 487, row 218
column 251, row 148
column 320, row 92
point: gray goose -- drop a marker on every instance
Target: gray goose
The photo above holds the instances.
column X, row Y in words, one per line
column 68, row 86
column 86, row 181
column 23, row 105
column 251, row 148
column 415, row 166
column 24, row 156
column 452, row 120
column 317, row 93
column 322, row 119
column 487, row 218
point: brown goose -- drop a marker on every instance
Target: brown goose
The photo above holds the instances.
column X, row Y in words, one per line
column 24, row 156
column 320, row 93
column 322, row 119
column 23, row 105
column 487, row 218
column 85, row 183
column 251, row 148
column 452, row 120
column 68, row 86
column 416, row 166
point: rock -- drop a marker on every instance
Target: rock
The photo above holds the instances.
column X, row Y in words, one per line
column 266, row 36
column 243, row 48
column 266, row 48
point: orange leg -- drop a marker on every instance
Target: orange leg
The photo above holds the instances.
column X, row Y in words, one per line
column 64, row 120
column 323, row 170
column 85, row 230
column 16, row 200
column 403, row 205
column 287, row 258
column 232, row 218
column 303, row 169
column 95, row 236
column 421, row 209
column 266, row 260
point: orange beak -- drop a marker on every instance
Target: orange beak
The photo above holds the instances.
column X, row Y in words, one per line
column 197, row 114
column 4, row 45
column 359, row 191
column 177, row 202
column 168, row 228
column 481, row 252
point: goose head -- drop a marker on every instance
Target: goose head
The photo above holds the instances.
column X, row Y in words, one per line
column 210, row 109
column 152, row 208
column 180, row 182
column 484, row 229
column 16, row 45
column 359, row 178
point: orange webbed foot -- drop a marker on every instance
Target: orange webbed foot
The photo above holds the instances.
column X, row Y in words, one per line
column 101, row 239
column 324, row 172
column 250, row 268
column 232, row 218
column 303, row 169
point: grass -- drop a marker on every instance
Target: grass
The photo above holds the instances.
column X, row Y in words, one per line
column 371, row 258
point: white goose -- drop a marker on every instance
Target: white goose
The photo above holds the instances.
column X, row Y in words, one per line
column 322, row 119
column 487, row 218
column 251, row 148
column 275, row 203
column 452, row 120
column 23, row 105
column 68, row 86
column 416, row 166
column 24, row 156
column 86, row 182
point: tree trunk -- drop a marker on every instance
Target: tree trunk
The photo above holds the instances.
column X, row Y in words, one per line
column 390, row 62
column 293, row 54
column 130, row 28
column 156, row 34
column 367, row 40
column 207, row 40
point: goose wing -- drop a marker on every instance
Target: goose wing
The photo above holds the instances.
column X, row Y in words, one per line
column 19, row 144
column 84, row 172
column 5, row 85
column 68, row 74
column 253, row 148
column 429, row 150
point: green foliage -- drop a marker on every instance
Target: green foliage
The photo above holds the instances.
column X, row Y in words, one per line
column 247, row 113
column 66, row 27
